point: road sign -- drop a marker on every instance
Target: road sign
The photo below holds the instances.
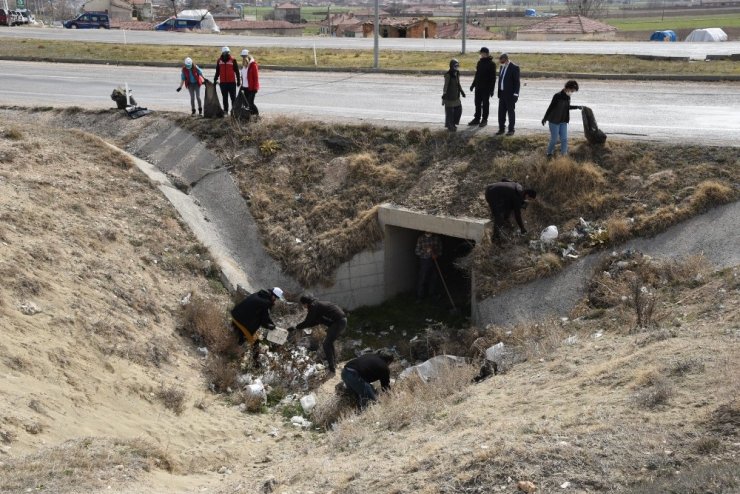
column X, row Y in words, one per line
column 20, row 4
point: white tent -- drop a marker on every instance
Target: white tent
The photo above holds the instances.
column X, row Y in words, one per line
column 708, row 34
column 205, row 18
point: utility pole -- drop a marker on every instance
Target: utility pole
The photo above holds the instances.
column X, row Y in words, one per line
column 376, row 63
column 328, row 18
column 465, row 24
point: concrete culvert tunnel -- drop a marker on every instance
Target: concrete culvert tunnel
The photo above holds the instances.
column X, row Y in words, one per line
column 402, row 227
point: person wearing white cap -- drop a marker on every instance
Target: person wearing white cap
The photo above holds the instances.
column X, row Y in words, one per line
column 192, row 77
column 228, row 70
column 253, row 313
column 250, row 80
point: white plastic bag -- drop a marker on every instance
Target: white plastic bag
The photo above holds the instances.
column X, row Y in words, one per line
column 549, row 234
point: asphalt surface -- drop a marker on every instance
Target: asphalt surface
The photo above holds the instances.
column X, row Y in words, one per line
column 697, row 51
column 704, row 113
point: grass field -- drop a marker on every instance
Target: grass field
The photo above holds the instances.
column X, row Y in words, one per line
column 597, row 64
column 688, row 22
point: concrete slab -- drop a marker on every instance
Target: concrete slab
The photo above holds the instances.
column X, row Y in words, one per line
column 459, row 227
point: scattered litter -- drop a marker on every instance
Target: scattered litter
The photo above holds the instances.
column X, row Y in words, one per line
column 29, row 308
column 202, row 351
column 308, row 402
column 495, row 352
column 598, row 335
column 224, row 471
column 308, row 331
column 526, row 486
column 186, row 299
column 298, row 240
column 549, row 234
column 432, row 367
column 571, row 340
column 565, row 485
column 257, row 390
column 278, row 336
column 299, row 421
column 273, row 432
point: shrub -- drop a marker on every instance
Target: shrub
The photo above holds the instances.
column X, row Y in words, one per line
column 205, row 322
column 220, row 373
column 657, row 392
column 173, row 398
column 708, row 194
column 618, row 229
column 13, row 133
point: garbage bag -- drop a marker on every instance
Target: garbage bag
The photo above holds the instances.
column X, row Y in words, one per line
column 590, row 128
column 241, row 108
column 549, row 234
column 119, row 96
column 211, row 105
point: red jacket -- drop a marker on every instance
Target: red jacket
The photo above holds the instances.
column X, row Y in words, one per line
column 197, row 75
column 227, row 71
column 253, row 76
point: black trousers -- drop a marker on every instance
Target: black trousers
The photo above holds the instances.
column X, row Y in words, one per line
column 452, row 115
column 426, row 282
column 482, row 104
column 506, row 106
column 250, row 99
column 228, row 92
column 332, row 333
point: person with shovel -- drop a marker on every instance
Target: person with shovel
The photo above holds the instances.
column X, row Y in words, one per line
column 192, row 77
column 253, row 313
column 329, row 314
column 428, row 249
column 504, row 198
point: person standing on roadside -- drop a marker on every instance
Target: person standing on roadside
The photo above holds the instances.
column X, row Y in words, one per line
column 253, row 313
column 558, row 115
column 192, row 77
column 228, row 70
column 250, row 80
column 508, row 94
column 330, row 315
column 483, row 84
column 451, row 96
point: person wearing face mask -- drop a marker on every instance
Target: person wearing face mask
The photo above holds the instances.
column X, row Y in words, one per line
column 558, row 116
column 484, row 83
column 451, row 96
column 228, row 70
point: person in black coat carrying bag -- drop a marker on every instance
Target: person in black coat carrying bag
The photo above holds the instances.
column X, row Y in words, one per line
column 484, row 84
column 253, row 313
column 508, row 93
column 558, row 115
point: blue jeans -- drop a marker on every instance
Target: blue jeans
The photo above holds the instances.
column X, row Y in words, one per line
column 561, row 130
column 362, row 389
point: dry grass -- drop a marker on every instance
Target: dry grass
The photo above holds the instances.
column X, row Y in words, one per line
column 83, row 465
column 13, row 133
column 205, row 321
column 172, row 397
column 221, row 373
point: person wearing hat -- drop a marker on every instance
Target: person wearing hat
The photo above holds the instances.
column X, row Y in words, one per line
column 328, row 314
column 250, row 80
column 451, row 96
column 508, row 93
column 253, row 313
column 228, row 70
column 484, row 83
column 192, row 77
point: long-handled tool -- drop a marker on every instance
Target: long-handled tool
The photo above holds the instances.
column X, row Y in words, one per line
column 444, row 284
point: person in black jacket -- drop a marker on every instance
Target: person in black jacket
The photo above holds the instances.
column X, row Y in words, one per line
column 508, row 93
column 328, row 314
column 360, row 372
column 484, row 83
column 253, row 313
column 451, row 93
column 506, row 197
column 558, row 115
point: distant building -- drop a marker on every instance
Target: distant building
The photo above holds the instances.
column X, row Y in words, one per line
column 142, row 10
column 453, row 30
column 402, row 27
column 119, row 10
column 564, row 28
column 288, row 12
column 336, row 25
column 261, row 28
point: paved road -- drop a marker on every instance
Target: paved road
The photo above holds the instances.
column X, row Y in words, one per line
column 694, row 50
column 707, row 113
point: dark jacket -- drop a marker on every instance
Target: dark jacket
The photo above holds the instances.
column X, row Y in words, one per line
column 559, row 110
column 254, row 311
column 485, row 75
column 452, row 89
column 505, row 197
column 372, row 368
column 321, row 313
column 511, row 81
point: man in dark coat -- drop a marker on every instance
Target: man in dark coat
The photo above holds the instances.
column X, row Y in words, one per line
column 328, row 314
column 483, row 84
column 358, row 374
column 428, row 249
column 508, row 93
column 506, row 197
column 451, row 93
column 253, row 313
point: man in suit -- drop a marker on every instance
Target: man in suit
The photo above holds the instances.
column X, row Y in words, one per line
column 508, row 93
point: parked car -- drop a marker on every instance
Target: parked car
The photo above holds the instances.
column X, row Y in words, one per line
column 4, row 18
column 89, row 20
column 27, row 16
column 177, row 24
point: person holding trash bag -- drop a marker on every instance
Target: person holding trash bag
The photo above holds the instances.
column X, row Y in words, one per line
column 451, row 96
column 558, row 116
column 192, row 77
column 328, row 314
column 504, row 198
column 253, row 313
column 359, row 373
column 250, row 80
column 228, row 70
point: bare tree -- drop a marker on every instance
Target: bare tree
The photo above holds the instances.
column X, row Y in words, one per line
column 587, row 8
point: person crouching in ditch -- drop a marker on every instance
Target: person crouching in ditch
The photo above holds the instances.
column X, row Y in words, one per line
column 328, row 314
column 504, row 198
column 358, row 374
column 253, row 313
